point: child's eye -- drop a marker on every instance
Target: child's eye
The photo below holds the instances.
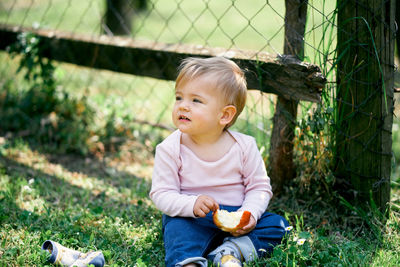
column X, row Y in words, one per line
column 197, row 100
column 177, row 98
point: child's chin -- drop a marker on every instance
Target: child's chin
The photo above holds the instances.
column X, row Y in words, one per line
column 184, row 130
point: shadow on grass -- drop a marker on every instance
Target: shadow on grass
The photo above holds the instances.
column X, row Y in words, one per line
column 86, row 217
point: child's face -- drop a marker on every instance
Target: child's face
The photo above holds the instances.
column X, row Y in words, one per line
column 198, row 107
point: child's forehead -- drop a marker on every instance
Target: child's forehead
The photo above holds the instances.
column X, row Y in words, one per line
column 202, row 82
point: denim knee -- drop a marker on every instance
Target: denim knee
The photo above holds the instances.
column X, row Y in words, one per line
column 186, row 238
column 269, row 232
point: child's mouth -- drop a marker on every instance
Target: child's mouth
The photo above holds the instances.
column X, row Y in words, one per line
column 183, row 118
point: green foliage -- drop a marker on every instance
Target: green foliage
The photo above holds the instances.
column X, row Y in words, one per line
column 329, row 245
column 313, row 152
column 43, row 111
column 396, row 150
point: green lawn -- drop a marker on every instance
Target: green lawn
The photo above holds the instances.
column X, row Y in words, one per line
column 88, row 203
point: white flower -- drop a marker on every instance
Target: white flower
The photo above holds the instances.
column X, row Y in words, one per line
column 289, row 228
column 31, row 181
column 27, row 188
column 301, row 241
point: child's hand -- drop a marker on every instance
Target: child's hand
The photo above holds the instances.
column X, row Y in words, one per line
column 203, row 205
column 247, row 228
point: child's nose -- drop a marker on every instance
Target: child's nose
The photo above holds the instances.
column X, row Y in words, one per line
column 184, row 106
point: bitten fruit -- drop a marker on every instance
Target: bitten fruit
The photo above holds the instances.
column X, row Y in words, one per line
column 231, row 221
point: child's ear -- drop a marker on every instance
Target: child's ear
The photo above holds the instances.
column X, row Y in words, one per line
column 228, row 112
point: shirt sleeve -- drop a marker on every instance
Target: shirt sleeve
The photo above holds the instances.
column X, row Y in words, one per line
column 165, row 188
column 258, row 191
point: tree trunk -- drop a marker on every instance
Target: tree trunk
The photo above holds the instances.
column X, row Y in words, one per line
column 281, row 167
column 118, row 17
column 364, row 119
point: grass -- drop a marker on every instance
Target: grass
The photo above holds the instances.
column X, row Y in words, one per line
column 81, row 202
column 88, row 203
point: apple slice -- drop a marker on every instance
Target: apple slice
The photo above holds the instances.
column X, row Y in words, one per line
column 231, row 221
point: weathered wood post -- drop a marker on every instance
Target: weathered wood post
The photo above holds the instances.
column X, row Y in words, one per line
column 397, row 19
column 281, row 168
column 365, row 55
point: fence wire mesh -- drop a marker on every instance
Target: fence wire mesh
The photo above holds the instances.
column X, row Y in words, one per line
column 257, row 26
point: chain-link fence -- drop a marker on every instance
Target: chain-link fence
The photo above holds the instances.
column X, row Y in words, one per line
column 255, row 27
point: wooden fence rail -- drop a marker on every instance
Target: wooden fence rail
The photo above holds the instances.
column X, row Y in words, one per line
column 277, row 74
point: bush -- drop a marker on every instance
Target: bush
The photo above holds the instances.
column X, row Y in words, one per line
column 43, row 111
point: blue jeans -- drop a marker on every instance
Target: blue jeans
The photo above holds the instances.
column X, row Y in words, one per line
column 186, row 238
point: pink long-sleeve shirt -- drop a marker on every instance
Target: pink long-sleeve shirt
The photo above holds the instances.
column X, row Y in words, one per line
column 238, row 178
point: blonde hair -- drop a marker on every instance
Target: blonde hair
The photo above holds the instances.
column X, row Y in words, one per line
column 230, row 79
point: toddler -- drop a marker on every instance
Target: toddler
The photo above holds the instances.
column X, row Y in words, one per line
column 203, row 166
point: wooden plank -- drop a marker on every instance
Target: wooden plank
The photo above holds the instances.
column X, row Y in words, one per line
column 282, row 75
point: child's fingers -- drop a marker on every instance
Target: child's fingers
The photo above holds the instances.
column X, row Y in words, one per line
column 215, row 205
column 212, row 204
column 204, row 204
column 205, row 209
column 201, row 211
column 239, row 232
column 251, row 225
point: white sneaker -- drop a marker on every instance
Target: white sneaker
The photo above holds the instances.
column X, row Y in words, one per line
column 230, row 261
column 68, row 257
